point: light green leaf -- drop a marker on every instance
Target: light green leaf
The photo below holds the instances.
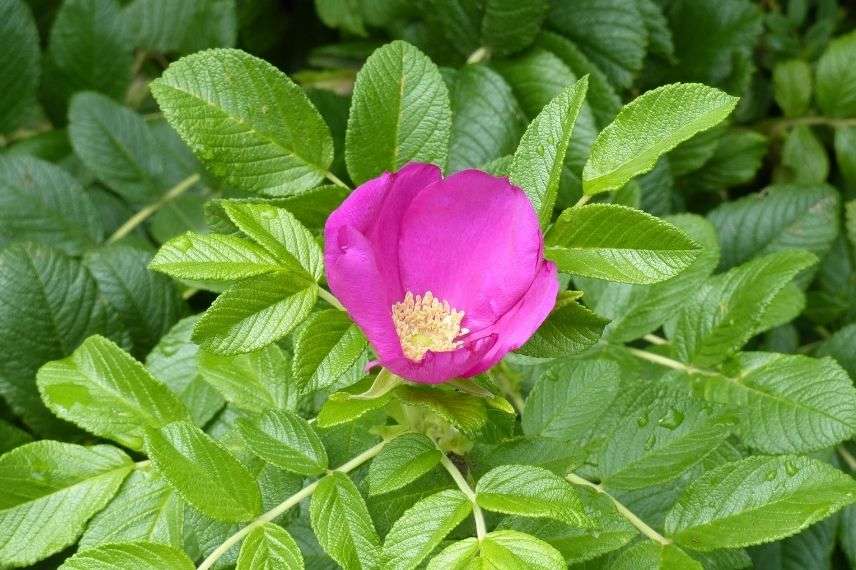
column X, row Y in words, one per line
column 19, row 42
column 486, row 119
column 342, row 523
column 654, row 556
column 758, row 499
column 286, row 440
column 792, row 86
column 782, row 217
column 726, row 310
column 329, row 351
column 269, row 546
column 650, row 125
column 617, row 243
column 836, row 78
column 182, row 27
column 402, row 461
column 422, row 527
column 41, row 202
column 174, row 361
column 255, row 382
column 203, row 472
column 790, row 403
column 213, row 257
column 269, row 138
column 342, row 408
column 254, row 313
column 611, row 33
column 116, row 144
column 104, row 390
column 540, row 156
column 659, row 434
column 279, row 232
column 139, row 555
column 530, row 491
column 145, row 509
column 506, row 549
column 50, row 490
column 49, row 303
column 569, row 398
column 509, row 26
column 570, row 329
column 399, row 113
column 465, row 412
column 147, row 304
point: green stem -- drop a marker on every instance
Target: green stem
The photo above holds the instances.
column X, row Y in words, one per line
column 777, row 126
column 478, row 56
column 654, row 339
column 622, row 510
column 142, row 215
column 284, row 506
column 336, row 180
column 327, row 296
column 458, row 477
column 847, row 457
column 582, row 201
column 668, row 362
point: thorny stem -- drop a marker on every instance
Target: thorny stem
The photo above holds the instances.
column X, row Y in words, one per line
column 481, row 529
column 284, row 506
column 327, row 296
column 623, row 511
column 142, row 215
column 336, row 180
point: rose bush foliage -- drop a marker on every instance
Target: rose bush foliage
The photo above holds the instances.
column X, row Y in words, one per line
column 436, row 284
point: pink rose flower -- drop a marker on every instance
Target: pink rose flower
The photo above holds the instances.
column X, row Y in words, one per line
column 443, row 275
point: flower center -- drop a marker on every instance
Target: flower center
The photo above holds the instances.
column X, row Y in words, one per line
column 426, row 323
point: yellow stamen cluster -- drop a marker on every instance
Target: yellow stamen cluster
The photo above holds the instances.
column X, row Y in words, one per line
column 424, row 322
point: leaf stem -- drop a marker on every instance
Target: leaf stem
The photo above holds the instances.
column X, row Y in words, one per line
column 847, row 457
column 582, row 201
column 777, row 126
column 142, row 215
column 327, row 296
column 458, row 477
column 478, row 56
column 668, row 362
column 654, row 339
column 293, row 500
column 336, row 180
column 622, row 510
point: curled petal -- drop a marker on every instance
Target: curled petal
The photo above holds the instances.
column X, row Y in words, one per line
column 436, row 367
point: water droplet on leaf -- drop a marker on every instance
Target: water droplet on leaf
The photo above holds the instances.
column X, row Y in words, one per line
column 672, row 419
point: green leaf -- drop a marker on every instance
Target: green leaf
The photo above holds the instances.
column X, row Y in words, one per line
column 839, row 346
column 781, row 217
column 611, row 33
column 145, row 509
column 836, row 78
column 400, row 113
column 569, row 398
column 50, row 490
column 254, row 313
column 650, row 125
column 346, row 15
column 116, row 144
column 650, row 554
column 659, row 35
column 82, row 33
column 845, row 154
column 758, row 499
column 422, row 528
column 487, row 121
column 509, row 26
column 342, row 523
column 203, row 472
column 213, row 257
column 329, row 352
column 570, row 329
column 49, row 303
column 269, row 546
column 12, row 436
column 255, row 382
column 174, row 361
column 617, row 243
column 726, row 310
column 660, row 433
column 147, row 304
column 532, row 492
column 268, row 139
column 804, row 158
column 179, row 27
column 104, row 390
column 536, row 77
column 279, row 232
column 342, row 407
column 540, row 156
column 19, row 42
column 142, row 555
column 467, row 413
column 41, row 202
column 791, row 404
column 402, row 461
column 506, row 549
column 736, row 160
column 792, row 87
column 286, row 440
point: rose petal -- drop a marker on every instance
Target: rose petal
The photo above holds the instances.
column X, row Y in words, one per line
column 437, row 367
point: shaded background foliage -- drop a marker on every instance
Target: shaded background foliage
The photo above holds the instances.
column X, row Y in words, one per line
column 93, row 180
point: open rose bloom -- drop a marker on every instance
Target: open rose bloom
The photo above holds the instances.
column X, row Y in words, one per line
column 443, row 275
